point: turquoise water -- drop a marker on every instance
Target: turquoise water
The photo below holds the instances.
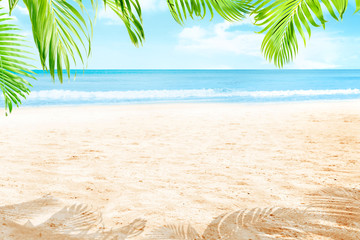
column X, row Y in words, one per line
column 157, row 86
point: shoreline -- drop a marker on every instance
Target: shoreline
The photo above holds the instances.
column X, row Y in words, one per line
column 179, row 163
column 319, row 101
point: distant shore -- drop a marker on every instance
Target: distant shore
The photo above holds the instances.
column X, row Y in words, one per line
column 179, row 163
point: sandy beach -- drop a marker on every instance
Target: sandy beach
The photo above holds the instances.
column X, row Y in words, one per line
column 179, row 163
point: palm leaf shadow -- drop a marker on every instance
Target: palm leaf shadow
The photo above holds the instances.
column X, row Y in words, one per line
column 340, row 204
column 341, row 208
column 134, row 229
column 258, row 223
column 77, row 221
column 333, row 213
column 26, row 210
column 74, row 219
column 172, row 231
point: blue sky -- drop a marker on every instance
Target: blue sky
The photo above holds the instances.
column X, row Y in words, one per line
column 204, row 44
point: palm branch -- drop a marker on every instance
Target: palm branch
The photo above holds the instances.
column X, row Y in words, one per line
column 12, row 4
column 129, row 11
column 231, row 10
column 14, row 68
column 59, row 27
column 281, row 19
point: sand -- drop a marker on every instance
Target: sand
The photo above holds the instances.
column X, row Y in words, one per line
column 179, row 163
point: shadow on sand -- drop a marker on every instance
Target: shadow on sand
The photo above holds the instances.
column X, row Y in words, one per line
column 332, row 213
column 66, row 222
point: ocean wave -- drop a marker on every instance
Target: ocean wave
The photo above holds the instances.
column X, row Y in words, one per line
column 68, row 95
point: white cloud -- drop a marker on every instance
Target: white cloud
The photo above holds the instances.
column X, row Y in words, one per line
column 327, row 50
column 220, row 39
column 324, row 49
column 27, row 34
column 193, row 33
column 109, row 16
column 22, row 10
column 153, row 5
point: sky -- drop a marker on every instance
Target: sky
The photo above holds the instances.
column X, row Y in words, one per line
column 205, row 44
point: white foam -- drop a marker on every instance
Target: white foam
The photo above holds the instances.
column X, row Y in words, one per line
column 68, row 95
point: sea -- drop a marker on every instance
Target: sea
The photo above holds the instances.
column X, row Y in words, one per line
column 103, row 87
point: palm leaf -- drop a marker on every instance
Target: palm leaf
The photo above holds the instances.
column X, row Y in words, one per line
column 129, row 11
column 231, row 10
column 59, row 28
column 127, row 7
column 12, row 5
column 357, row 5
column 281, row 19
column 13, row 66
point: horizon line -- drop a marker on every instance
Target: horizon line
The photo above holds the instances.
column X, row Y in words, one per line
column 198, row 69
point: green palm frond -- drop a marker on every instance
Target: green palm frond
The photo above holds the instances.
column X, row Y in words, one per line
column 281, row 19
column 59, row 28
column 13, row 64
column 129, row 11
column 230, row 10
column 12, row 5
column 126, row 6
column 340, row 6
